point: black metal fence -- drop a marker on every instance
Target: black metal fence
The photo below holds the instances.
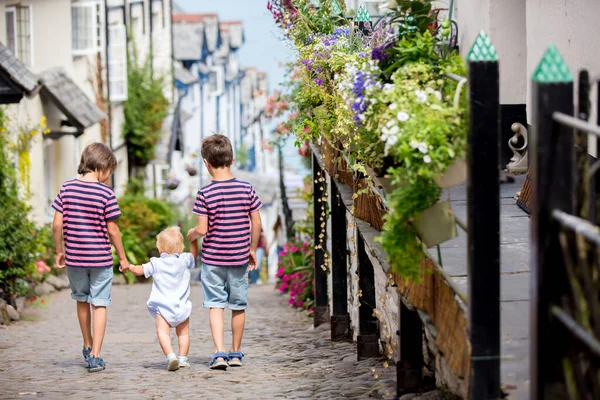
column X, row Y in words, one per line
column 565, row 324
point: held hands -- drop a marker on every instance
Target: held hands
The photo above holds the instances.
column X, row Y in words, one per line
column 124, row 265
column 252, row 263
column 192, row 235
column 59, row 260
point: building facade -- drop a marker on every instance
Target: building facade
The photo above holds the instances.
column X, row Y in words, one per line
column 77, row 52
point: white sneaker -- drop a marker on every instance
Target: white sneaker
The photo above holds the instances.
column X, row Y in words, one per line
column 172, row 362
column 183, row 362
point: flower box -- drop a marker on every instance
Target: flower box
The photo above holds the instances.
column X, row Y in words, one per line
column 436, row 224
column 454, row 175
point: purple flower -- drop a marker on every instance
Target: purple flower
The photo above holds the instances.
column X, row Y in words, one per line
column 319, row 81
column 319, row 69
column 379, row 53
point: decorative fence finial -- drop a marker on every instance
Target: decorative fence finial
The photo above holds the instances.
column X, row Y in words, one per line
column 483, row 49
column 336, row 7
column 362, row 15
column 552, row 68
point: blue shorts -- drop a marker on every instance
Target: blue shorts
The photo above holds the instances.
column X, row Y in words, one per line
column 91, row 285
column 225, row 287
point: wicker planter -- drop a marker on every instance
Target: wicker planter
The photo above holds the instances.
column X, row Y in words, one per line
column 436, row 224
column 368, row 206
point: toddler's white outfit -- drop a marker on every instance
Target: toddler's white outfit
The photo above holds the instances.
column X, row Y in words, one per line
column 170, row 296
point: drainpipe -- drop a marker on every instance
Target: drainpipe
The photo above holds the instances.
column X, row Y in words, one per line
column 109, row 106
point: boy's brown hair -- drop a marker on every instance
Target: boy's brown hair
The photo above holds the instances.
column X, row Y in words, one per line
column 97, row 157
column 170, row 240
column 217, row 151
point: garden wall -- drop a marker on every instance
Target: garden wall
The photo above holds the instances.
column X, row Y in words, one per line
column 446, row 351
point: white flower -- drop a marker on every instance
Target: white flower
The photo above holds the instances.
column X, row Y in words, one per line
column 361, row 117
column 388, row 87
column 438, row 95
column 427, row 159
column 390, row 123
column 421, row 96
column 395, row 130
column 384, row 131
column 423, row 147
column 403, row 116
column 392, row 140
column 414, row 144
column 393, row 106
column 428, row 90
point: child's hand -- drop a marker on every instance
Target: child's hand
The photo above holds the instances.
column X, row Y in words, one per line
column 252, row 264
column 124, row 267
column 59, row 260
column 192, row 235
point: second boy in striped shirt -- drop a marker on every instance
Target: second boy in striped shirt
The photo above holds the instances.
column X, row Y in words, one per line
column 229, row 220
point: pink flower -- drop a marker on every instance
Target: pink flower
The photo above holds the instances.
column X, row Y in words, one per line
column 299, row 303
column 291, row 302
column 41, row 266
column 283, row 287
column 294, row 249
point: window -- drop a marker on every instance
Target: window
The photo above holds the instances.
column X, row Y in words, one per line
column 157, row 14
column 86, row 18
column 18, row 32
column 117, row 62
column 136, row 20
column 215, row 81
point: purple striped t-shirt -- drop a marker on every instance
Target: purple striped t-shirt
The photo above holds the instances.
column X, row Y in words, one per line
column 86, row 206
column 228, row 205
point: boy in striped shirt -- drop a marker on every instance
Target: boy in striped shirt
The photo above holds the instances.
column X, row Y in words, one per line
column 229, row 221
column 86, row 211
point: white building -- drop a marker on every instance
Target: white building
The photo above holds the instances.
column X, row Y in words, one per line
column 76, row 53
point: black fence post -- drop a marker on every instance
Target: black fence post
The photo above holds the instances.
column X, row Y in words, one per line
column 368, row 331
column 321, row 314
column 581, row 148
column 409, row 369
column 552, row 150
column 484, row 221
column 339, row 268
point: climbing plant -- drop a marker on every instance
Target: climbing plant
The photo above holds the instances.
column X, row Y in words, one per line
column 145, row 109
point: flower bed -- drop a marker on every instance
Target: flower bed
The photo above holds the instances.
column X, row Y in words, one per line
column 296, row 272
column 377, row 97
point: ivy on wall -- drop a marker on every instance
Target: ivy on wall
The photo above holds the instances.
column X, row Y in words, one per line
column 145, row 109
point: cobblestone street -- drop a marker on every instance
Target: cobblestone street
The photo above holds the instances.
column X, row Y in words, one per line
column 285, row 356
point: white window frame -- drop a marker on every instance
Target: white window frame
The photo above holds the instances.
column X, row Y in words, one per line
column 18, row 33
column 137, row 11
column 94, row 24
column 15, row 32
column 117, row 57
column 219, row 84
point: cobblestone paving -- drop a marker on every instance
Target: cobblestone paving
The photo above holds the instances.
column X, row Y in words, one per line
column 285, row 356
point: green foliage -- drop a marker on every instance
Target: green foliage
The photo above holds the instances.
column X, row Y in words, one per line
column 142, row 219
column 145, row 109
column 19, row 245
column 242, row 155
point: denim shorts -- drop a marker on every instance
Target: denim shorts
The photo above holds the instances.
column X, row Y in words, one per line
column 91, row 285
column 225, row 287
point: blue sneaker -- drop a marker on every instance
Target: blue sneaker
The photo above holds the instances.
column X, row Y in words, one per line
column 96, row 364
column 86, row 353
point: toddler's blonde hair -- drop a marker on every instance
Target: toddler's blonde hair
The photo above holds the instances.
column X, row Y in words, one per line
column 170, row 240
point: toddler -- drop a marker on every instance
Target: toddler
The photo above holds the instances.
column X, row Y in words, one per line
column 169, row 301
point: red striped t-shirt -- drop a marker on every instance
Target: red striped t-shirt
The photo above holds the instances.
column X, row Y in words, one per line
column 228, row 205
column 86, row 206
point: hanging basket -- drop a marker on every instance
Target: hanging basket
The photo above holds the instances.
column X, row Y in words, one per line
column 454, row 175
column 436, row 224
column 172, row 184
column 192, row 171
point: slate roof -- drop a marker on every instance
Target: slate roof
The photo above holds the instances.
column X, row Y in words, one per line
column 69, row 98
column 188, row 41
column 17, row 71
column 235, row 32
column 184, row 76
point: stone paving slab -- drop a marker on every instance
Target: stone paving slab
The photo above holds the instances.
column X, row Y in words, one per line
column 285, row 356
column 514, row 281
